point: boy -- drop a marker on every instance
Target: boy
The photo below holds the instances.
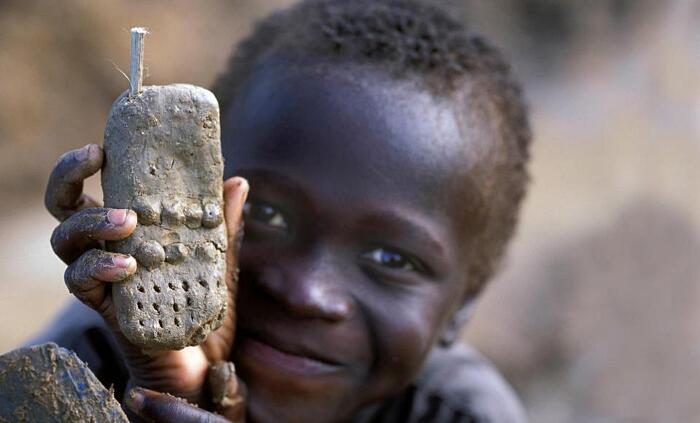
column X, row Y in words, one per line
column 385, row 150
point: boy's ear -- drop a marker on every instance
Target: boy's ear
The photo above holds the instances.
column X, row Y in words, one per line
column 454, row 326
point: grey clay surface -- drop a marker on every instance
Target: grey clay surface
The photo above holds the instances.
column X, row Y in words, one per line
column 163, row 160
column 46, row 383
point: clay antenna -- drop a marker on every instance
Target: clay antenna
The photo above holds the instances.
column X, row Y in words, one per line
column 136, row 71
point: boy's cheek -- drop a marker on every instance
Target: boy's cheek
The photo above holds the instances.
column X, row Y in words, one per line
column 410, row 343
column 404, row 340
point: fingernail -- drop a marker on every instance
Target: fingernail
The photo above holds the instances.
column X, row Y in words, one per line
column 125, row 262
column 83, row 154
column 117, row 216
column 135, row 399
column 242, row 189
column 244, row 194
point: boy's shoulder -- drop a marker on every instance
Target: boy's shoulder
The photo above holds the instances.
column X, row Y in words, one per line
column 457, row 384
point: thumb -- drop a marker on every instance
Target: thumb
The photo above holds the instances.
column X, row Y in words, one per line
column 228, row 392
column 235, row 194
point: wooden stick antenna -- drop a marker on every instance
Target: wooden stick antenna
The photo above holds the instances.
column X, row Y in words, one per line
column 136, row 74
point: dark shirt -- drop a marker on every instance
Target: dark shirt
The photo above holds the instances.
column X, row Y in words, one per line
column 456, row 384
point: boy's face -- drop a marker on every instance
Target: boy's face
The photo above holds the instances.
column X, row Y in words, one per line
column 364, row 199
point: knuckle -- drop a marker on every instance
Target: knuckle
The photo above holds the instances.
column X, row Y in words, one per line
column 71, row 278
column 64, row 165
column 58, row 238
column 82, row 269
column 75, row 165
column 78, row 232
column 49, row 201
column 70, row 169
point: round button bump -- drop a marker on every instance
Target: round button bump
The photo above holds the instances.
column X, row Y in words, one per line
column 150, row 254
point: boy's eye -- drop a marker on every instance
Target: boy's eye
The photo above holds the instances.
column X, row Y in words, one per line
column 265, row 214
column 390, row 259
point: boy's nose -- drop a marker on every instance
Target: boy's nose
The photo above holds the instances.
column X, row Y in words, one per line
column 308, row 291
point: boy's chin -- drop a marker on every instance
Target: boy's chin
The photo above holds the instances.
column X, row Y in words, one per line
column 282, row 387
column 266, row 403
column 265, row 408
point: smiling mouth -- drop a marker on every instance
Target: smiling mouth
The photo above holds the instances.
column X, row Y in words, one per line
column 284, row 357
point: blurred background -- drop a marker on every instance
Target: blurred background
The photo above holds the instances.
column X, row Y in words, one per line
column 595, row 314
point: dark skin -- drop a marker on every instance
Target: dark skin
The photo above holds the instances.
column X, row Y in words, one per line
column 359, row 226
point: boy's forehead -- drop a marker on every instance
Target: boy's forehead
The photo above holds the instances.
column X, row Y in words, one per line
column 352, row 128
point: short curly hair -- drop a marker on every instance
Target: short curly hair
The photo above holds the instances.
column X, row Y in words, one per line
column 408, row 38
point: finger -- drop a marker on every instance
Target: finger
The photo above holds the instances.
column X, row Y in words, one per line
column 226, row 390
column 88, row 276
column 235, row 193
column 86, row 228
column 157, row 407
column 64, row 191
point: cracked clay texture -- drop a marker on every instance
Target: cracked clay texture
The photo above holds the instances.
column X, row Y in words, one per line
column 46, row 383
column 163, row 160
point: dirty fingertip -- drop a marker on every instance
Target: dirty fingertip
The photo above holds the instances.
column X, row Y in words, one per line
column 135, row 399
column 94, row 152
column 242, row 190
column 237, row 185
column 91, row 155
column 235, row 193
column 121, row 217
column 125, row 262
column 82, row 154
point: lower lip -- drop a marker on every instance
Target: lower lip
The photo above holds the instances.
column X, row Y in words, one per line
column 271, row 356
